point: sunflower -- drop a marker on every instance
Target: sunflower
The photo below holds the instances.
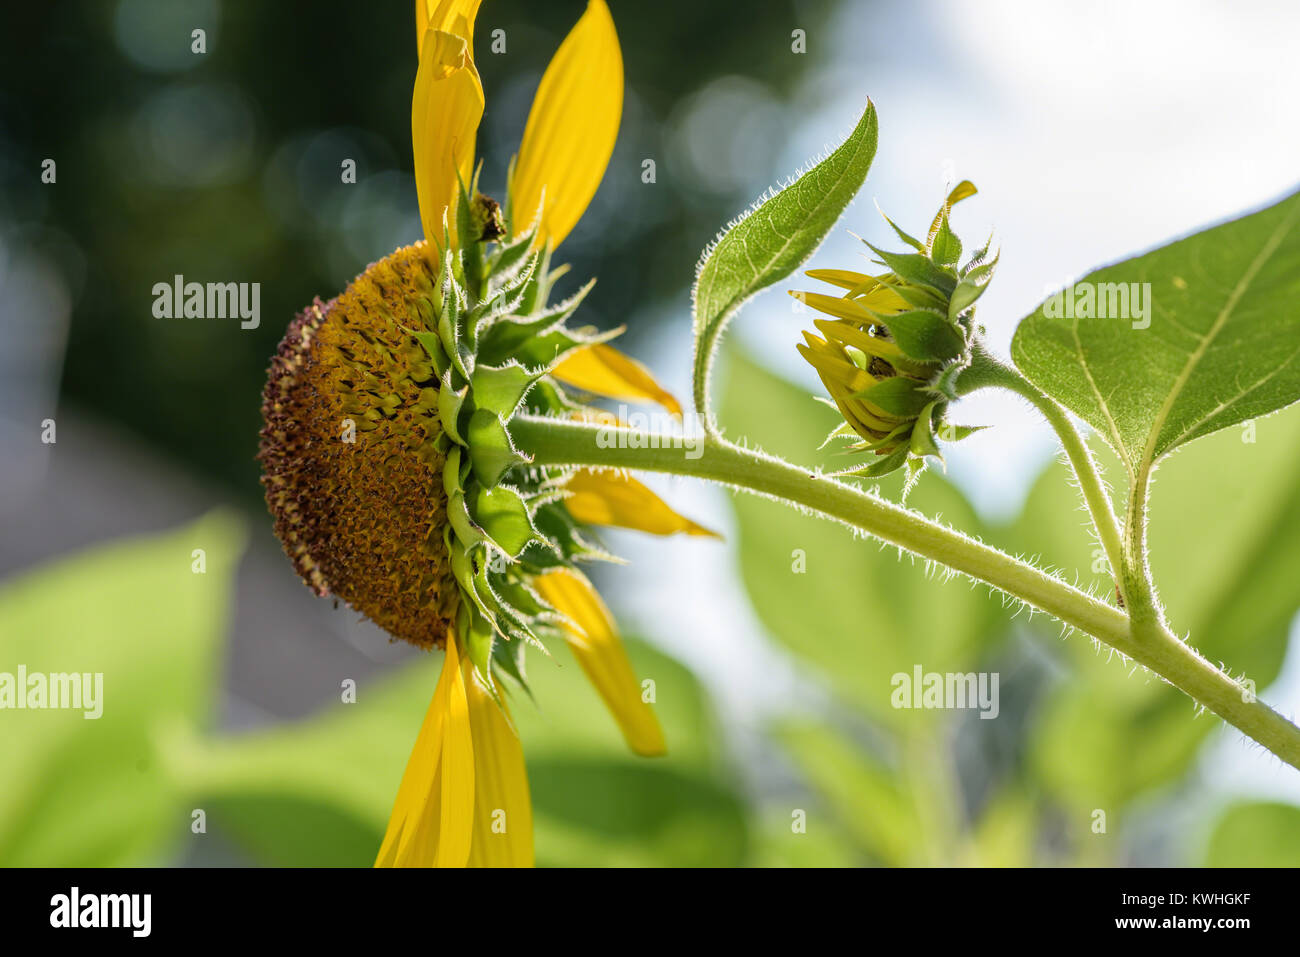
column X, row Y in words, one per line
column 388, row 463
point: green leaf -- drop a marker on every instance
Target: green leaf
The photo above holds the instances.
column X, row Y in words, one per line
column 1216, row 342
column 95, row 793
column 1256, row 835
column 771, row 240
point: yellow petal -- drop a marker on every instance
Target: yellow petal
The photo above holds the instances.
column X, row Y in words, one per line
column 449, row 16
column 837, row 306
column 571, row 128
column 503, row 811
column 432, row 815
column 414, row 792
column 612, row 498
column 844, row 278
column 456, row 823
column 849, row 334
column 605, row 371
column 600, row 653
column 445, row 111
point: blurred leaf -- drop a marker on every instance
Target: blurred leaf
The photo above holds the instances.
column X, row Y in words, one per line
column 1006, row 832
column 859, row 612
column 1256, row 835
column 863, row 795
column 822, row 844
column 335, row 776
column 91, row 793
column 1225, row 547
column 773, row 238
column 1092, row 749
column 1219, row 345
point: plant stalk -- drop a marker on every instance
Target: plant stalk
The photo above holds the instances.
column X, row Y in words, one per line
column 561, row 442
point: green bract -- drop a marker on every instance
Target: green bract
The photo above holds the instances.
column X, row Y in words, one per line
column 496, row 343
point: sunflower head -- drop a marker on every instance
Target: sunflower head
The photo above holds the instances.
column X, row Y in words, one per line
column 353, row 450
column 896, row 343
column 390, row 469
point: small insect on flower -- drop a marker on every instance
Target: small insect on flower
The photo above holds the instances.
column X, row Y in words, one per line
column 896, row 344
column 387, row 455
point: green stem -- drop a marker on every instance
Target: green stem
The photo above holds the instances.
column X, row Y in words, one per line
column 1143, row 607
column 987, row 370
column 559, row 442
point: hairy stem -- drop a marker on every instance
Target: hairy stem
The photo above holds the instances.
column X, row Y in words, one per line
column 564, row 442
column 1139, row 588
column 987, row 370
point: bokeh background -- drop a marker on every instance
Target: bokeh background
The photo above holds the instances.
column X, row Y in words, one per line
column 1093, row 131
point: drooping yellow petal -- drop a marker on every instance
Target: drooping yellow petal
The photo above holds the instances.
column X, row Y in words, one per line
column 503, row 810
column 600, row 653
column 605, row 371
column 571, row 128
column 449, row 16
column 417, row 785
column 456, row 823
column 612, row 498
column 432, row 817
column 445, row 111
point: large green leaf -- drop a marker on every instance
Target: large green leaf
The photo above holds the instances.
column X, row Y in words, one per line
column 320, row 791
column 81, row 792
column 1220, row 347
column 1256, row 835
column 859, row 612
column 771, row 240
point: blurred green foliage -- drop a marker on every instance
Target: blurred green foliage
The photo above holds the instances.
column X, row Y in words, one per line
column 95, row 792
column 1256, row 835
column 121, row 789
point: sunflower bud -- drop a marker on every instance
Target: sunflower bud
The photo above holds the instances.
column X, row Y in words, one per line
column 896, row 343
